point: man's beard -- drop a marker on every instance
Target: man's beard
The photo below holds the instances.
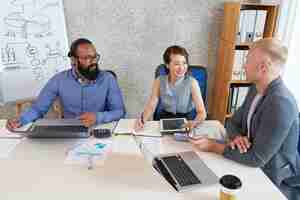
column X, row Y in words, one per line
column 91, row 72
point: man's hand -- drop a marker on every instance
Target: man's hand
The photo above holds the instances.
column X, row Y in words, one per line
column 12, row 124
column 202, row 143
column 208, row 145
column 241, row 142
column 88, row 119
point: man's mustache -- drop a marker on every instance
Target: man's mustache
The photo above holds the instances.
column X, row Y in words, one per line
column 92, row 66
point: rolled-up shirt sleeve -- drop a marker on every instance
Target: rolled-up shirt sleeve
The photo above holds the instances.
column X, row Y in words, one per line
column 43, row 102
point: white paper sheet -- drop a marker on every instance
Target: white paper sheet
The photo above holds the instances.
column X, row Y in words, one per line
column 85, row 152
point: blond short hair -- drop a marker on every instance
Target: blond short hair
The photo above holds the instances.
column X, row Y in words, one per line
column 274, row 49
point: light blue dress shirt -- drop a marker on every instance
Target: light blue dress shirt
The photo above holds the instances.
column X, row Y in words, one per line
column 103, row 97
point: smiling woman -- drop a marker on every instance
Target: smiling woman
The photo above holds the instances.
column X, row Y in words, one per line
column 178, row 92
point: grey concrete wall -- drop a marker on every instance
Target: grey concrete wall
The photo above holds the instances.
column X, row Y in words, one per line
column 131, row 36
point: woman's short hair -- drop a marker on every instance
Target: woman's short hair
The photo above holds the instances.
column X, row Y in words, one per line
column 175, row 50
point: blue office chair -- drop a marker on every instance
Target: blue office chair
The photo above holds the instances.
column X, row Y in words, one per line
column 116, row 77
column 112, row 73
column 198, row 72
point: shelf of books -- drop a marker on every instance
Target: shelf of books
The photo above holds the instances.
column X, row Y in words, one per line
column 242, row 25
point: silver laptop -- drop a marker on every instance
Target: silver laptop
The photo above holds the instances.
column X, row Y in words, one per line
column 58, row 128
column 184, row 170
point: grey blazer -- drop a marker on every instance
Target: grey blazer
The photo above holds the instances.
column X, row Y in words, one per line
column 274, row 133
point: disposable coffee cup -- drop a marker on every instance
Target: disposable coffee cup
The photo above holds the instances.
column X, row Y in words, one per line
column 230, row 187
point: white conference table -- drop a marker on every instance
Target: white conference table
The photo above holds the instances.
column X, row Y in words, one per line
column 36, row 170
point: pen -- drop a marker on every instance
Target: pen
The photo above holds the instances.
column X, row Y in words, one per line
column 142, row 118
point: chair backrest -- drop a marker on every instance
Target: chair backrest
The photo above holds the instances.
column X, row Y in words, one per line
column 198, row 72
column 113, row 73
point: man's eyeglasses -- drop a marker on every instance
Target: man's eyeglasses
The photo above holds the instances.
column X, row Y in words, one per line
column 94, row 59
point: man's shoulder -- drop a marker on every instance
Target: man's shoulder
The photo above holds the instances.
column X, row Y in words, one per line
column 281, row 99
column 65, row 72
column 282, row 94
column 107, row 75
column 61, row 75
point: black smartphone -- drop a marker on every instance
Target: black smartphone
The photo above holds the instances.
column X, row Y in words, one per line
column 101, row 133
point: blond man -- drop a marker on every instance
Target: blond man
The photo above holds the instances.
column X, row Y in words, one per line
column 264, row 131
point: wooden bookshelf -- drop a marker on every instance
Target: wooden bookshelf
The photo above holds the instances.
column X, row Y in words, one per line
column 226, row 51
column 228, row 115
column 240, row 82
column 243, row 46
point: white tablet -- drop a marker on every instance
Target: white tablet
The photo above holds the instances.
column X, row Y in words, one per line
column 172, row 125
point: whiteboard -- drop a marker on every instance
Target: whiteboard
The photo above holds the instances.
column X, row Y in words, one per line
column 34, row 45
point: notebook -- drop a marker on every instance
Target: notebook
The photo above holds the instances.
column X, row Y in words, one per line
column 126, row 127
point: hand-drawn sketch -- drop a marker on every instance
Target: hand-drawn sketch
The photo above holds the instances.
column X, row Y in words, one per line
column 13, row 55
column 33, row 45
column 55, row 59
column 26, row 22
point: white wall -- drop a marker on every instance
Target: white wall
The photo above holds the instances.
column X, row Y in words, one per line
column 133, row 34
column 292, row 72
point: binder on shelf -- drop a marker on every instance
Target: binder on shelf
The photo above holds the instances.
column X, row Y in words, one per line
column 237, row 95
column 261, row 17
column 251, row 25
column 238, row 71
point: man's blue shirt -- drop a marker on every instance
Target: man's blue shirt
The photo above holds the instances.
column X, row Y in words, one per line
column 103, row 97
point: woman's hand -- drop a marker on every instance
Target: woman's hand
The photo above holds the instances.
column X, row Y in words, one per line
column 139, row 124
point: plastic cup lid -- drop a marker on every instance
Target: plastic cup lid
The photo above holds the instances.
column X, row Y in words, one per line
column 231, row 182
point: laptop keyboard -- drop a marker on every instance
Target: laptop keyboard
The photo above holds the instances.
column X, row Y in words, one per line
column 63, row 128
column 60, row 132
column 182, row 172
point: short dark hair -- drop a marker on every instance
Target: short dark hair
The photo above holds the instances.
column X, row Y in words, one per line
column 75, row 44
column 175, row 50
